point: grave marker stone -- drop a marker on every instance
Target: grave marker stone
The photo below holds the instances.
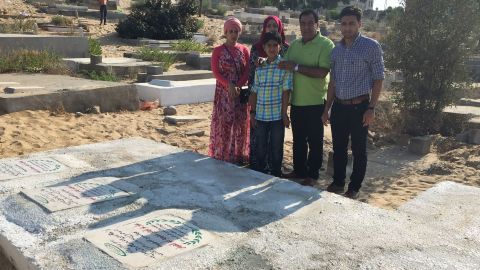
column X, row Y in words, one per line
column 28, row 167
column 146, row 240
column 74, row 195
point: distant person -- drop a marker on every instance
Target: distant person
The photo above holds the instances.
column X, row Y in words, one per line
column 103, row 11
column 269, row 101
column 230, row 128
column 270, row 24
column 309, row 59
column 355, row 85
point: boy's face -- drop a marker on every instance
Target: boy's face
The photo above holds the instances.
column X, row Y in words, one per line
column 272, row 48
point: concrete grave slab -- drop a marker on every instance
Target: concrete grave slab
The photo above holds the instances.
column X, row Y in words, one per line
column 177, row 92
column 184, row 75
column 65, row 46
column 71, row 94
column 77, row 194
column 258, row 221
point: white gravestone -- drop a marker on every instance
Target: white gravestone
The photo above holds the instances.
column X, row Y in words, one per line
column 77, row 194
column 148, row 239
column 28, row 167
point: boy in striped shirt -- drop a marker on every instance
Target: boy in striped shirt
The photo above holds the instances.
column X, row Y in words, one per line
column 269, row 102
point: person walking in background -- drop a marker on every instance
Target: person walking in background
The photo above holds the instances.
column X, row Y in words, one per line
column 103, row 11
column 270, row 24
column 355, row 85
column 309, row 59
column 269, row 101
column 230, row 127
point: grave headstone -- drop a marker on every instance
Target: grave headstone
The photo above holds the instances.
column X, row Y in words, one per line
column 146, row 240
column 28, row 167
column 74, row 195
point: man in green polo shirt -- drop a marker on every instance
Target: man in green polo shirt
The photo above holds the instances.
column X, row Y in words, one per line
column 309, row 59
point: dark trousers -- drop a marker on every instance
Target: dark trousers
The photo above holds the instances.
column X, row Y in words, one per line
column 307, row 129
column 346, row 122
column 103, row 14
column 269, row 138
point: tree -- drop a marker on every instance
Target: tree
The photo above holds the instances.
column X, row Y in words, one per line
column 160, row 19
column 429, row 43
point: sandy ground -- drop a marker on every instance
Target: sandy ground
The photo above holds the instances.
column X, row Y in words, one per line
column 33, row 131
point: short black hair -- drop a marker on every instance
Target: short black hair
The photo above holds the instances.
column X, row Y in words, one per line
column 307, row 12
column 351, row 11
column 272, row 36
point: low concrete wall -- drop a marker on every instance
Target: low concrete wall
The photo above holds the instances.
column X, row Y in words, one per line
column 62, row 45
column 109, row 98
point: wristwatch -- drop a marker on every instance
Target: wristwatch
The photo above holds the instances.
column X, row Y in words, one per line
column 296, row 68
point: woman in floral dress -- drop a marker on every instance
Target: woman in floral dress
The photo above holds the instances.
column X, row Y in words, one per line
column 230, row 128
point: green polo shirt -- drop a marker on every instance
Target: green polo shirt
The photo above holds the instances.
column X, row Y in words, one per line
column 315, row 53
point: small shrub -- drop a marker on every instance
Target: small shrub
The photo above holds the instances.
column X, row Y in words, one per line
column 19, row 25
column 160, row 19
column 156, row 55
column 94, row 47
column 190, row 46
column 60, row 20
column 219, row 10
column 100, row 76
column 32, row 61
column 333, row 14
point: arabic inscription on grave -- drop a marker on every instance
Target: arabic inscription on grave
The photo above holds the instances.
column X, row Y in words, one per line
column 76, row 194
column 146, row 240
column 28, row 167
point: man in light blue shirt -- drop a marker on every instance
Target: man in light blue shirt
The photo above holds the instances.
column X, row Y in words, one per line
column 357, row 73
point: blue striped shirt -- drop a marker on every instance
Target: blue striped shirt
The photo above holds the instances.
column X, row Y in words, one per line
column 354, row 69
column 269, row 84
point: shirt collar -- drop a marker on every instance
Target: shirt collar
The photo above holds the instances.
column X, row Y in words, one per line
column 314, row 39
column 276, row 61
column 354, row 42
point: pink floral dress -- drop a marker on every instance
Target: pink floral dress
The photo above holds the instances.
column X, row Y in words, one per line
column 230, row 128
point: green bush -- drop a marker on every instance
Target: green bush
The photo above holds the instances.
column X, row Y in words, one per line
column 219, row 10
column 32, row 61
column 60, row 20
column 155, row 55
column 100, row 76
column 94, row 47
column 160, row 19
column 429, row 43
column 19, row 25
column 333, row 14
column 190, row 46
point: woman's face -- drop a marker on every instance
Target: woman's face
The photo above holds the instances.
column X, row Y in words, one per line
column 271, row 26
column 232, row 35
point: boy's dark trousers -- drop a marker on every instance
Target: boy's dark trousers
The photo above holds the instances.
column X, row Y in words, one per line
column 307, row 129
column 269, row 139
column 346, row 121
column 103, row 14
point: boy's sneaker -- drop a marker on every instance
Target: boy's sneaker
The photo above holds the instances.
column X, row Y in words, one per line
column 352, row 194
column 335, row 188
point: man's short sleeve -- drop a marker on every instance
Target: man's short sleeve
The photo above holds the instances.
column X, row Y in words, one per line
column 325, row 52
column 288, row 81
